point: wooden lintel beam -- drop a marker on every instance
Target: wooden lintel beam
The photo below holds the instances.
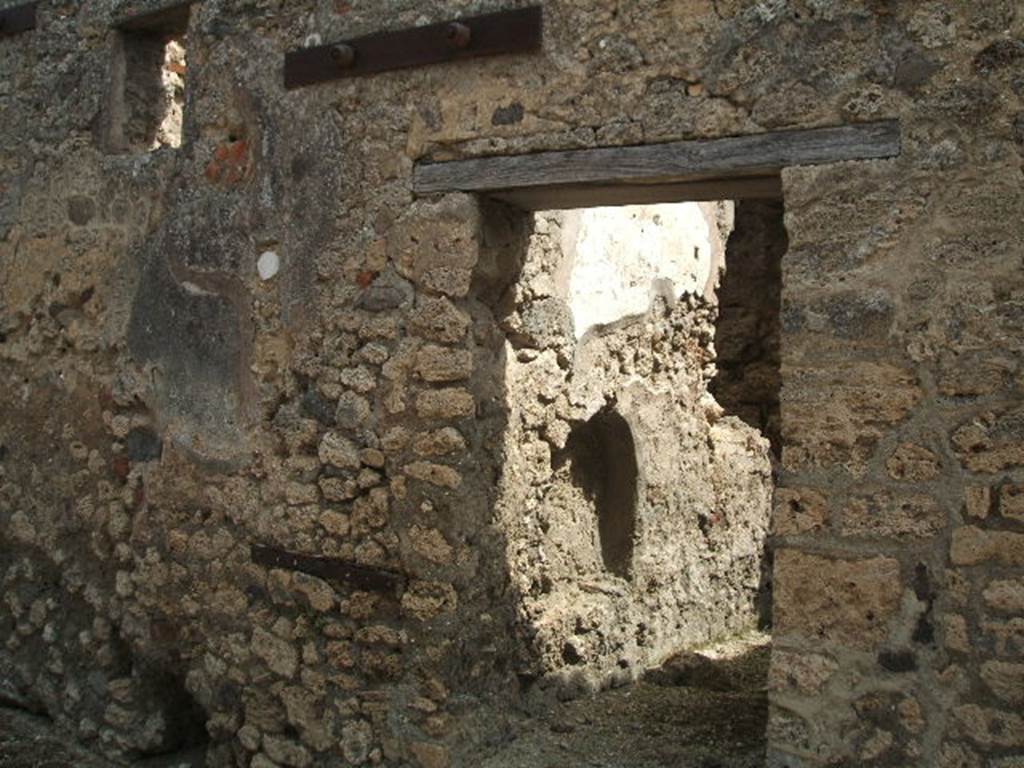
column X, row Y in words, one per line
column 172, row 17
column 591, row 195
column 679, row 162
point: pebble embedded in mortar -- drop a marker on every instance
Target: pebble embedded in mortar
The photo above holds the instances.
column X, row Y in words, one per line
column 268, row 265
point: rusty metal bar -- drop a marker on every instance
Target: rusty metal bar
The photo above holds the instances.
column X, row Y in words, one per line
column 363, row 577
column 516, row 31
column 17, row 19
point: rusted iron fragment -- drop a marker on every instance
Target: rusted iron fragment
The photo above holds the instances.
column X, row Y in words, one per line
column 355, row 575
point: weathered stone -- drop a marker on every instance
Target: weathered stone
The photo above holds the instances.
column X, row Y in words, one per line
column 443, row 364
column 439, row 320
column 973, row 546
column 440, row 442
column 893, row 515
column 806, row 673
column 286, row 752
column 435, row 474
column 430, row 544
column 956, row 635
column 1005, row 595
column 1005, row 680
column 798, row 510
column 356, row 741
column 425, row 600
column 450, row 403
column 978, row 501
column 913, row 463
column 991, row 442
column 990, row 727
column 844, row 601
column 338, row 451
column 430, row 755
column 278, row 654
column 1011, row 502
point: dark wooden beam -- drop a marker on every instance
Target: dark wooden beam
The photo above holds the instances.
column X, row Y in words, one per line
column 17, row 19
column 169, row 19
column 354, row 575
column 515, row 31
column 677, row 163
column 590, row 195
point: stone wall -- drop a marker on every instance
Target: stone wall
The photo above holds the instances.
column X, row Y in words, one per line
column 635, row 513
column 748, row 329
column 166, row 405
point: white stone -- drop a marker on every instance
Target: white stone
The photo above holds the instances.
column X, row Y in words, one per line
column 268, row 265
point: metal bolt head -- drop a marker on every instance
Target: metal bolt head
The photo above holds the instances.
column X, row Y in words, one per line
column 458, row 35
column 343, row 55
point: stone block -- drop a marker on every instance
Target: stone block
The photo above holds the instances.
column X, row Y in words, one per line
column 990, row 727
column 973, row 546
column 845, row 601
column 1005, row 680
column 806, row 673
column 1005, row 596
column 978, row 501
column 435, row 474
column 890, row 515
column 439, row 442
column 798, row 510
column 1011, row 502
column 913, row 463
column 449, row 403
column 991, row 442
column 443, row 364
column 437, row 319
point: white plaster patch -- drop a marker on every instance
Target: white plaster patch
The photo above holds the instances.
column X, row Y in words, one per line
column 268, row 265
column 621, row 251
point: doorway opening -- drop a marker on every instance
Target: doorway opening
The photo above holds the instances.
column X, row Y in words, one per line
column 637, row 488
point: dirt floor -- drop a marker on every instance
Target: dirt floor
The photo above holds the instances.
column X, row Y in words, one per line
column 701, row 709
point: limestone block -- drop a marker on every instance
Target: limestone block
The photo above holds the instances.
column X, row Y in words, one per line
column 803, row 672
column 449, row 403
column 442, row 364
column 991, row 442
column 972, row 546
column 1005, row 596
column 435, row 474
column 338, row 451
column 990, row 727
column 439, row 320
column 1005, row 680
column 278, row 654
column 843, row 601
column 425, row 600
column 439, row 442
column 893, row 515
column 913, row 463
column 1011, row 502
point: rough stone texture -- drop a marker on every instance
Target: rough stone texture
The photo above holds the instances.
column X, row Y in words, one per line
column 748, row 329
column 130, row 298
column 617, row 468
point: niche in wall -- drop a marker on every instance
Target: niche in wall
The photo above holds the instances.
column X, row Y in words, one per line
column 603, row 465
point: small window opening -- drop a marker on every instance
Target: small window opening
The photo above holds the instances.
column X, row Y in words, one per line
column 148, row 101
